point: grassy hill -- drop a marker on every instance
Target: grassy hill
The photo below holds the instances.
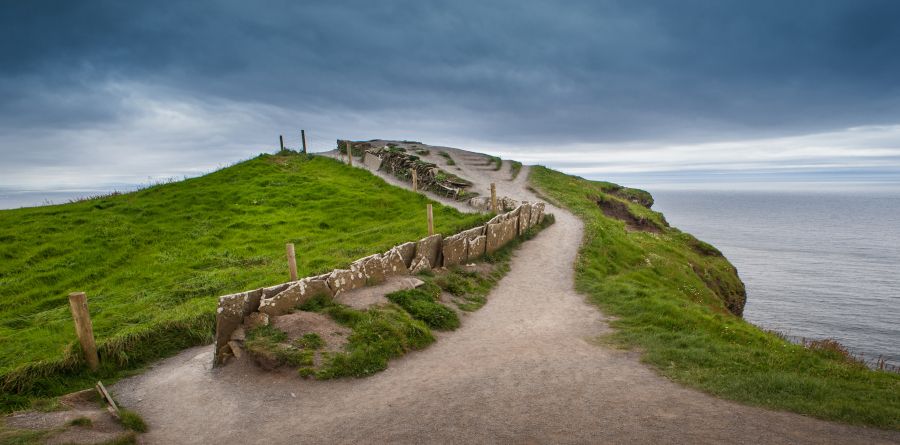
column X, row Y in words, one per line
column 153, row 261
column 674, row 298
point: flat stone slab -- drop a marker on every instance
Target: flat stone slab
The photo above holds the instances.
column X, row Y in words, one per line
column 365, row 297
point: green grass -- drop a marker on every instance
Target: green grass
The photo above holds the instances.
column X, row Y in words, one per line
column 132, row 421
column 668, row 294
column 422, row 304
column 379, row 334
column 310, row 341
column 515, row 167
column 446, row 156
column 498, row 163
column 85, row 422
column 152, row 262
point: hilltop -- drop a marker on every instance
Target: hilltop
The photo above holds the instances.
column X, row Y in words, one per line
column 153, row 261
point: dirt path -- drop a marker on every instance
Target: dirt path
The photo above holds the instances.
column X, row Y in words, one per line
column 523, row 369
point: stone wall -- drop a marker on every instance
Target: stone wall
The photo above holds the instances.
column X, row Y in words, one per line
column 431, row 252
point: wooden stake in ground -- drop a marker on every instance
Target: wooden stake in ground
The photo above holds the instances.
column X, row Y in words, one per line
column 292, row 261
column 493, row 197
column 303, row 138
column 430, row 220
column 349, row 153
column 84, row 329
column 281, row 141
column 415, row 179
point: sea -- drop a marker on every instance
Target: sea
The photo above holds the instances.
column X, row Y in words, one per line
column 817, row 264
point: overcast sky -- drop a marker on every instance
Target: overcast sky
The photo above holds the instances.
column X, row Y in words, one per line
column 116, row 92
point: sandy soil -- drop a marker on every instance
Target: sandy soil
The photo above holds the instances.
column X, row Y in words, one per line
column 523, row 369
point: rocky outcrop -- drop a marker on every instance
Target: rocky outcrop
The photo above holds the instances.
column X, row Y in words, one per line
column 295, row 295
column 401, row 165
column 428, row 248
column 455, row 250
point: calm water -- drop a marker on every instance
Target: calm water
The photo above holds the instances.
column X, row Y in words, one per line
column 816, row 264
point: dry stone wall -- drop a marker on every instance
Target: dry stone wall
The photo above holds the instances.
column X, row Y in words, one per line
column 431, row 252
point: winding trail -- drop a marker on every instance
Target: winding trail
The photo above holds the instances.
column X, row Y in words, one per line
column 523, row 369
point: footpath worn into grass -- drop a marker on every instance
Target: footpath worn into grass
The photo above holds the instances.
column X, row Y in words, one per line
column 667, row 292
column 153, row 261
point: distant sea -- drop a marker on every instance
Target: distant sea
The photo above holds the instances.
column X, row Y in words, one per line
column 14, row 198
column 816, row 264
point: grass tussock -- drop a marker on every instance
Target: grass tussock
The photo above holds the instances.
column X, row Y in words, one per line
column 132, row 420
column 669, row 295
column 447, row 157
column 515, row 167
column 422, row 304
column 152, row 262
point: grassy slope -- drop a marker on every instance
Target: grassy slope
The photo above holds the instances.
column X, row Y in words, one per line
column 666, row 310
column 153, row 261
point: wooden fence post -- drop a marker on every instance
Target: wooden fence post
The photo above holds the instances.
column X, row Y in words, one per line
column 493, row 197
column 83, row 328
column 415, row 179
column 281, row 141
column 349, row 153
column 292, row 261
column 430, row 220
column 303, row 137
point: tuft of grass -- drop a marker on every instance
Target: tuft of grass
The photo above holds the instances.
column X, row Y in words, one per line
column 311, row 341
column 422, row 304
column 271, row 342
column 498, row 163
column 132, row 421
column 152, row 262
column 670, row 296
column 378, row 335
column 24, row 437
column 515, row 167
column 82, row 422
column 129, row 438
column 446, row 156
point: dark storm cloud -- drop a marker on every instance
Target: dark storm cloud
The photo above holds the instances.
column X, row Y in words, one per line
column 493, row 71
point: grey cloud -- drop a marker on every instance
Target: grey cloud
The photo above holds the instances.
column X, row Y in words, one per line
column 525, row 73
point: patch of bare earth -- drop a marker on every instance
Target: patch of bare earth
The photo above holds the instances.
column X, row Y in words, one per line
column 619, row 210
column 80, row 405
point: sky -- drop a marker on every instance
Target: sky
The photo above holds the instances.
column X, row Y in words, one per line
column 98, row 94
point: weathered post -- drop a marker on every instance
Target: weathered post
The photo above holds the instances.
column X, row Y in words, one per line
column 281, row 141
column 493, row 197
column 303, row 138
column 430, row 220
column 83, row 328
column 415, row 179
column 349, row 152
column 292, row 261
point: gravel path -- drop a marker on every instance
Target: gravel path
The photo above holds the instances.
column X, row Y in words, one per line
column 523, row 369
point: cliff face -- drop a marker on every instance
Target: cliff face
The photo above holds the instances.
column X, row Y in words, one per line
column 641, row 249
